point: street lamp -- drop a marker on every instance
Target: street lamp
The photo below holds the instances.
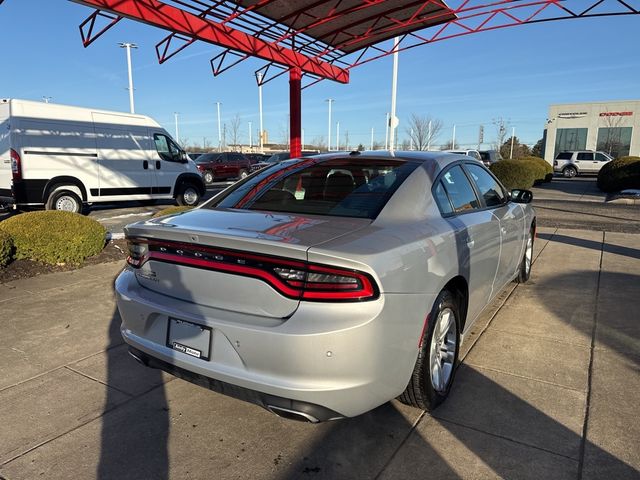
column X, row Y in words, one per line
column 250, row 137
column 175, row 116
column 394, row 92
column 259, row 80
column 219, row 128
column 129, row 46
column 330, row 100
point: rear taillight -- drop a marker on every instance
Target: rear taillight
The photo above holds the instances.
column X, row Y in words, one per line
column 138, row 253
column 293, row 279
column 16, row 165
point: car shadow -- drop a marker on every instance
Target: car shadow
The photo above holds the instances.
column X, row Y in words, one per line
column 581, row 242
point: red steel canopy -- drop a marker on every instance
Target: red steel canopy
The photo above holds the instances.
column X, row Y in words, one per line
column 325, row 39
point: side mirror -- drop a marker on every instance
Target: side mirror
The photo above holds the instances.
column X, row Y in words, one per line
column 183, row 157
column 521, row 196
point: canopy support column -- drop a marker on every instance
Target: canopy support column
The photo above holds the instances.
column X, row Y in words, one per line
column 295, row 112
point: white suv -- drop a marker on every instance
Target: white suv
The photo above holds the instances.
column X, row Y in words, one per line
column 574, row 163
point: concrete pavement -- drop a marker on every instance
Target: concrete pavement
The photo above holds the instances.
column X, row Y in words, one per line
column 547, row 389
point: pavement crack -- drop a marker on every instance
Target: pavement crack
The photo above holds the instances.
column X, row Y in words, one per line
column 404, row 440
column 97, row 380
column 503, row 437
column 525, row 377
column 585, row 426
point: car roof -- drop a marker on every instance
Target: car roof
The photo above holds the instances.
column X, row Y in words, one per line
column 439, row 158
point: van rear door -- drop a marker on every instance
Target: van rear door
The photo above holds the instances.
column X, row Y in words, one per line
column 124, row 168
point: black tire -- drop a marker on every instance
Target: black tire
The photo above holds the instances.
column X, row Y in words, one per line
column 524, row 272
column 420, row 391
column 243, row 174
column 569, row 172
column 64, row 200
column 188, row 195
column 208, row 177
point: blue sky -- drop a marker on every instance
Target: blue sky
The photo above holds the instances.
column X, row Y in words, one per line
column 512, row 73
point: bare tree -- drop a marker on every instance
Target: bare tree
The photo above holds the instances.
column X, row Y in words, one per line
column 406, row 144
column 319, row 143
column 423, row 130
column 234, row 127
column 502, row 126
column 447, row 146
column 611, row 142
column 377, row 145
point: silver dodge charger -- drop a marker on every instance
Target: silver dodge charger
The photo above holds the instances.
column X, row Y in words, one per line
column 323, row 287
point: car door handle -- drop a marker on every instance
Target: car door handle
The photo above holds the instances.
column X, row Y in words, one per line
column 145, row 164
column 470, row 242
column 158, row 164
column 503, row 230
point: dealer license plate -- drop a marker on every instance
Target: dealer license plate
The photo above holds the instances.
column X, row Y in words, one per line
column 189, row 338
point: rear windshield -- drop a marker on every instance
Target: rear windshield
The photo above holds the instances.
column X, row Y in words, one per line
column 339, row 187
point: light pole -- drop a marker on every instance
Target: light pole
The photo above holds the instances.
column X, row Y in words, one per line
column 394, row 92
column 259, row 80
column 302, row 139
column 453, row 140
column 513, row 136
column 219, row 128
column 129, row 46
column 337, row 136
column 429, row 136
column 175, row 115
column 386, row 132
column 330, row 100
column 371, row 144
column 250, row 137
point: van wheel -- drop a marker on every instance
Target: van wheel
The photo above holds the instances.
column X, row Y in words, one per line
column 65, row 201
column 188, row 195
column 243, row 174
column 208, row 177
column 435, row 367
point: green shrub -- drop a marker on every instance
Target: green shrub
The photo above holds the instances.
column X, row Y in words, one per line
column 515, row 173
column 6, row 246
column 54, row 236
column 620, row 174
column 544, row 170
column 171, row 211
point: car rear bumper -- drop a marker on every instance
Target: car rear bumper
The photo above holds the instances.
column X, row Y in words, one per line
column 328, row 360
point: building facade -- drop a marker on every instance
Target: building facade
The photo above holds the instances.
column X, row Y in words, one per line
column 611, row 127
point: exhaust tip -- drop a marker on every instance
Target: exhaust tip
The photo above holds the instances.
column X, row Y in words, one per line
column 137, row 358
column 292, row 414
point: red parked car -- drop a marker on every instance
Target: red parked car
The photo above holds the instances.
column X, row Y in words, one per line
column 222, row 166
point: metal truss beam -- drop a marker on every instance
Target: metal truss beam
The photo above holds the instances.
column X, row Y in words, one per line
column 181, row 22
column 87, row 27
column 475, row 18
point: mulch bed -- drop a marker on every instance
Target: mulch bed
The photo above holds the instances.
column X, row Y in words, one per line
column 115, row 250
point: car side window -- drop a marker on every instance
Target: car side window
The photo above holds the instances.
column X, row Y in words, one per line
column 488, row 187
column 442, row 200
column 166, row 148
column 585, row 156
column 601, row 157
column 460, row 191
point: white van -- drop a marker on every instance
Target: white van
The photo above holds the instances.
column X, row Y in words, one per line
column 63, row 157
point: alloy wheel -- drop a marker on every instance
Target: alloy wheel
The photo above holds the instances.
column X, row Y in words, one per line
column 442, row 352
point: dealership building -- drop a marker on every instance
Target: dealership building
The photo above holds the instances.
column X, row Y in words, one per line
column 611, row 127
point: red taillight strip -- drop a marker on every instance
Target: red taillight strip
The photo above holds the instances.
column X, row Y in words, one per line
column 365, row 289
column 225, row 267
column 277, row 261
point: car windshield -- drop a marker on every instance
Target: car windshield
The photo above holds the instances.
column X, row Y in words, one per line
column 345, row 187
column 277, row 157
column 206, row 157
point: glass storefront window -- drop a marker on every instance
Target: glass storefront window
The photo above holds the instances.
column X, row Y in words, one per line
column 570, row 139
column 616, row 141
